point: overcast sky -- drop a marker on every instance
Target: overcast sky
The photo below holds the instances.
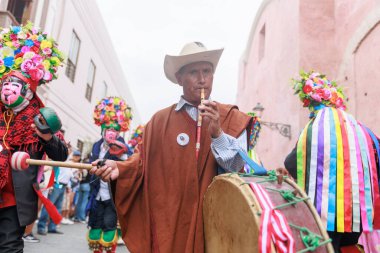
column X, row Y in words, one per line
column 143, row 32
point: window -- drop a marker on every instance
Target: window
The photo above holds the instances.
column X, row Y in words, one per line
column 262, row 43
column 90, row 80
column 20, row 10
column 72, row 59
column 80, row 145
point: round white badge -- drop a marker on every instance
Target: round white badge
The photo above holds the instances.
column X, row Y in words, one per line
column 1, row 147
column 182, row 139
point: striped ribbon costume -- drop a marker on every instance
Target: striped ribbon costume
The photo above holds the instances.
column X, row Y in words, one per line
column 338, row 167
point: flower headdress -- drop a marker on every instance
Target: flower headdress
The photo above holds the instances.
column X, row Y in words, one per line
column 29, row 54
column 316, row 91
column 113, row 112
column 136, row 136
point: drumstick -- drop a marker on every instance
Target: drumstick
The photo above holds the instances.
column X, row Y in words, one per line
column 199, row 126
column 21, row 161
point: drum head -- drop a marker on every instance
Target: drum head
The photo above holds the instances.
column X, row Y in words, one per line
column 231, row 222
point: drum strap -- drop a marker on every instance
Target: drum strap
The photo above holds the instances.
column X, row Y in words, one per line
column 258, row 170
column 274, row 226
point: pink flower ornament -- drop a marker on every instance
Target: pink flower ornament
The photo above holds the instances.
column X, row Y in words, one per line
column 326, row 94
column 37, row 59
column 25, row 49
column 316, row 97
column 48, row 76
column 47, row 51
column 36, row 74
column 27, row 65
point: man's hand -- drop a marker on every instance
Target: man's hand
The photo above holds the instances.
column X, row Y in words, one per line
column 45, row 137
column 210, row 113
column 109, row 171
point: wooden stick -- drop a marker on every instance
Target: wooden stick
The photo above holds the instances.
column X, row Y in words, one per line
column 199, row 126
column 82, row 166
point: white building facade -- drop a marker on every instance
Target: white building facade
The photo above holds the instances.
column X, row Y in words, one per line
column 91, row 71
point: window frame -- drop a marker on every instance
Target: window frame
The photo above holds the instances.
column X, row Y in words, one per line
column 90, row 86
column 71, row 66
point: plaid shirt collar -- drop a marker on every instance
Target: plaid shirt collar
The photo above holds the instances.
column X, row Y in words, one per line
column 182, row 103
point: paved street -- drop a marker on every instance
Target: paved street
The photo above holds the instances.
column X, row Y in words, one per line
column 73, row 240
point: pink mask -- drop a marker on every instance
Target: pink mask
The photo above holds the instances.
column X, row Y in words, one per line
column 110, row 135
column 11, row 93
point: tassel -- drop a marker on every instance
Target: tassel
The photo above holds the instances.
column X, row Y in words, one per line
column 50, row 208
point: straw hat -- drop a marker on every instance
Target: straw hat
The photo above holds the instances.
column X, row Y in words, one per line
column 190, row 53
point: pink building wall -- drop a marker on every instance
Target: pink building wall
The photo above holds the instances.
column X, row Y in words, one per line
column 340, row 38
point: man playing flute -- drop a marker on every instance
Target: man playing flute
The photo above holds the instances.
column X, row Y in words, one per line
column 160, row 189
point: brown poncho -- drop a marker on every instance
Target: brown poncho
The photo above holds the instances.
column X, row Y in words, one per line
column 159, row 193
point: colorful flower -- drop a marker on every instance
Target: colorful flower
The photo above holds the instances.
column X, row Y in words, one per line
column 334, row 98
column 47, row 51
column 26, row 65
column 18, row 61
column 15, row 29
column 36, row 74
column 136, row 136
column 34, row 37
column 29, row 43
column 29, row 55
column 326, row 94
column 45, row 44
column 307, row 89
column 109, row 112
column 48, row 76
column 55, row 61
column 339, row 102
column 316, row 97
column 37, row 59
column 46, row 64
column 16, row 44
column 316, row 91
column 306, row 103
column 13, row 37
column 9, row 44
column 25, row 48
column 9, row 61
column 21, row 35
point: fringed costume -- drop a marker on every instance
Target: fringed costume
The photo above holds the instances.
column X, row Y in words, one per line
column 336, row 160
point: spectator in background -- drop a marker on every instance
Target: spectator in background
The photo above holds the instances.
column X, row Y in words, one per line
column 70, row 190
column 83, row 193
column 62, row 179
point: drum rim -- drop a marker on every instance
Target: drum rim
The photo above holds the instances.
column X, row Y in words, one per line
column 256, row 208
column 251, row 199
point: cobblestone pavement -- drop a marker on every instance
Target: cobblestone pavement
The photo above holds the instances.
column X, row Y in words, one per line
column 72, row 241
